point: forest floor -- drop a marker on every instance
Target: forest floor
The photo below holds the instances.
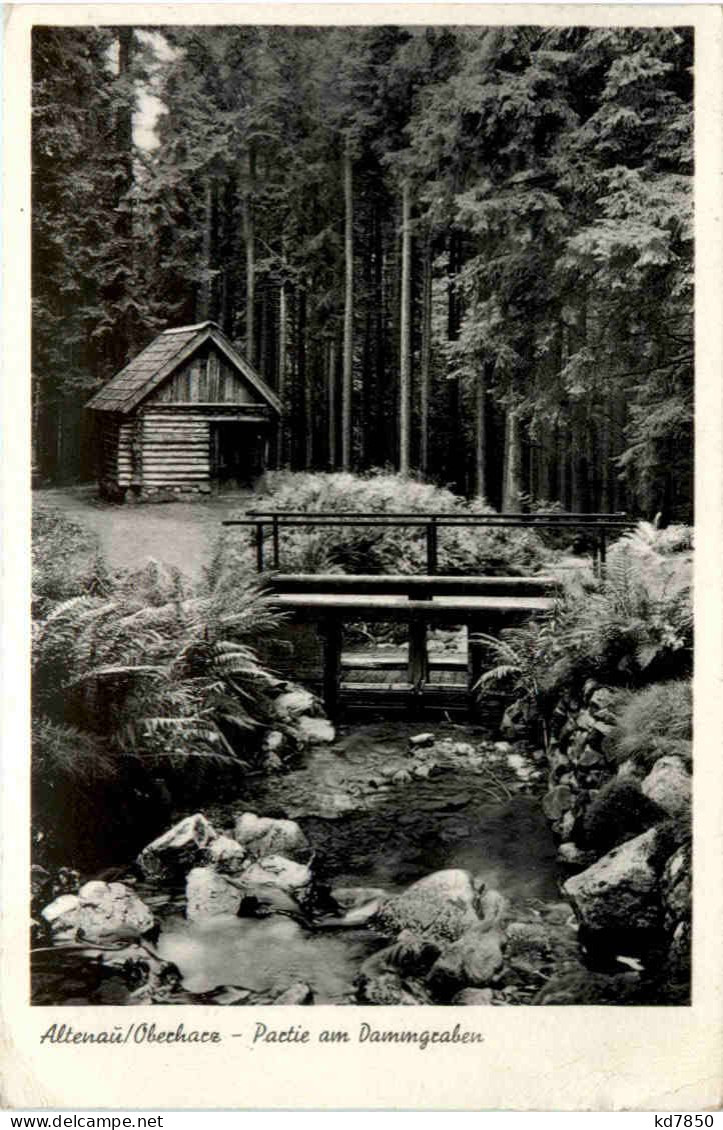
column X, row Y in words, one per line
column 180, row 534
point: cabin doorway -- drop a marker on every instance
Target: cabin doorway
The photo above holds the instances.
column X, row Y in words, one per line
column 237, row 452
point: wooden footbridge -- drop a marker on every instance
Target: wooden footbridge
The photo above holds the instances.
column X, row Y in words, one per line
column 413, row 679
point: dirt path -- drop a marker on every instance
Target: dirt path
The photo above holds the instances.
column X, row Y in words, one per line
column 181, row 534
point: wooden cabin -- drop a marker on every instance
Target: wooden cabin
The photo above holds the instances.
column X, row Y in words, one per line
column 185, row 414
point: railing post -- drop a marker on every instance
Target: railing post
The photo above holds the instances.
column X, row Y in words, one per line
column 275, row 537
column 259, row 547
column 432, row 547
column 603, row 553
column 332, row 665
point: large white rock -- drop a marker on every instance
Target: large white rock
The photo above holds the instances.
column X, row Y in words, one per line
column 275, row 871
column 292, row 704
column 63, row 905
column 209, row 895
column 226, row 856
column 263, row 835
column 102, row 912
column 315, row 731
column 619, row 891
column 440, row 906
column 183, row 846
column 669, row 784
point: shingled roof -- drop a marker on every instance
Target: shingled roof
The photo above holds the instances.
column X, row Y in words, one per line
column 159, row 359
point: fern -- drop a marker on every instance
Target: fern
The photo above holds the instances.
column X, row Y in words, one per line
column 164, row 668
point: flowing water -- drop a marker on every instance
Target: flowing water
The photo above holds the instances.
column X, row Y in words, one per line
column 367, row 831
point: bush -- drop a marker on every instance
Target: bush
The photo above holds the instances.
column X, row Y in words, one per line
column 66, row 561
column 652, row 723
column 361, row 549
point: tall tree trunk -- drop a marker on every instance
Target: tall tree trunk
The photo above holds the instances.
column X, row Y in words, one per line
column 606, row 502
column 264, row 334
column 480, row 424
column 347, row 372
column 577, row 439
column 302, row 371
column 581, row 424
column 281, row 375
column 563, row 428
column 563, row 479
column 455, row 458
column 250, row 244
column 619, row 420
column 331, row 393
column 127, row 343
column 392, row 312
column 380, row 345
column 405, row 333
column 511, row 487
column 425, row 357
column 543, row 465
column 368, row 409
column 204, row 297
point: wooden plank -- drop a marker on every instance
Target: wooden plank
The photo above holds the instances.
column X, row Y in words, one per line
column 180, row 455
column 203, row 379
column 171, row 451
column 179, row 468
column 213, row 375
column 373, row 662
column 175, row 480
column 190, row 458
column 209, row 409
column 194, row 380
column 441, row 609
column 175, row 424
column 419, row 585
column 180, row 418
column 183, row 414
column 197, row 447
column 177, row 472
column 183, row 451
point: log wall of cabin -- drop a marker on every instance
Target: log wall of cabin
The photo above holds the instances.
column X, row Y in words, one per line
column 176, row 449
column 126, row 466
column 206, row 379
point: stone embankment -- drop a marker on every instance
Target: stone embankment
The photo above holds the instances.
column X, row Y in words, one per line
column 623, row 832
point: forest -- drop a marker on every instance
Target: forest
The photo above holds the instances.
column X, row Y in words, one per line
column 459, row 253
column 462, row 259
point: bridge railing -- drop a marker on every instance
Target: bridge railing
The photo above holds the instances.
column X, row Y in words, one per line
column 600, row 525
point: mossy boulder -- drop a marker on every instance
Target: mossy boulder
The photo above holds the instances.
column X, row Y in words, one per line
column 619, row 812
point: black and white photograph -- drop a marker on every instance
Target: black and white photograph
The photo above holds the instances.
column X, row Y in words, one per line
column 362, row 398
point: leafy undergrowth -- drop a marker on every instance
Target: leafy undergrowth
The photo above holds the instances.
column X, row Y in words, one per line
column 359, row 549
column 139, row 680
column 631, row 629
column 66, row 561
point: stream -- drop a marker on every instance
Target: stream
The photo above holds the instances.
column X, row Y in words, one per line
column 375, row 819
